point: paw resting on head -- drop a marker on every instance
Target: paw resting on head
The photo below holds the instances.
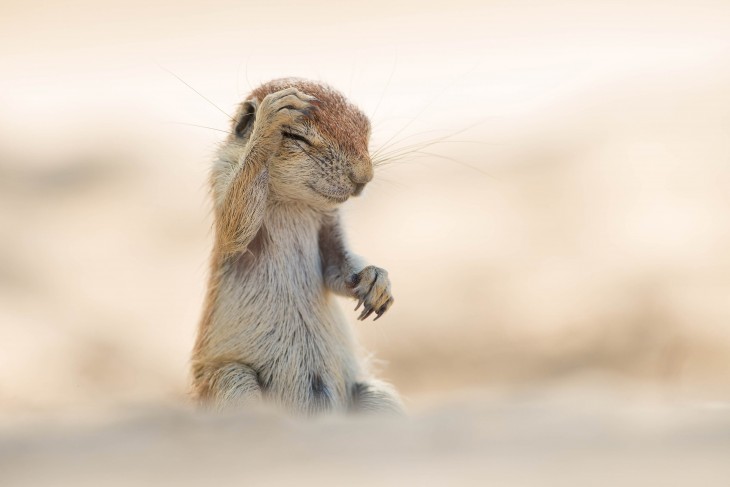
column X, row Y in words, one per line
column 371, row 287
column 283, row 108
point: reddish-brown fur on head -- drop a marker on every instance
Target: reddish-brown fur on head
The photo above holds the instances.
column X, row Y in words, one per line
column 336, row 118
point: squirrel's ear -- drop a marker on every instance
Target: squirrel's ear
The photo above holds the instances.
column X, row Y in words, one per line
column 245, row 118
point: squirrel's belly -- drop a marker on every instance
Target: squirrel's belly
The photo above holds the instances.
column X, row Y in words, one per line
column 305, row 359
column 287, row 327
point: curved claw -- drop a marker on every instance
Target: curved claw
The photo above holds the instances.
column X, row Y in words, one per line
column 383, row 309
column 359, row 303
column 365, row 313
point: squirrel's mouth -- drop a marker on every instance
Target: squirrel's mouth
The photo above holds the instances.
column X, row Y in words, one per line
column 332, row 196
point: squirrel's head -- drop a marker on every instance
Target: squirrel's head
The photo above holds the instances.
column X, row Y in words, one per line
column 323, row 158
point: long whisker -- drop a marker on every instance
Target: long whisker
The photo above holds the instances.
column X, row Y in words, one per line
column 352, row 75
column 421, row 154
column 410, row 156
column 380, row 149
column 410, row 148
column 443, row 140
column 387, row 85
column 426, row 107
column 199, row 93
column 419, row 146
column 441, row 156
column 378, row 123
column 427, row 143
column 199, row 126
column 396, row 158
column 380, row 180
column 412, row 160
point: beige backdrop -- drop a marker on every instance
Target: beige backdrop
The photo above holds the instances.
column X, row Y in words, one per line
column 561, row 217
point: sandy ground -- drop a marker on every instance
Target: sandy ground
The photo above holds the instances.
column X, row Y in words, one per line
column 535, row 440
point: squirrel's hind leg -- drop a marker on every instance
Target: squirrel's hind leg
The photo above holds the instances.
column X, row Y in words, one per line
column 374, row 396
column 228, row 386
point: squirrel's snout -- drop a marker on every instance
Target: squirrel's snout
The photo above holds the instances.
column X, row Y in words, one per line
column 361, row 175
column 360, row 182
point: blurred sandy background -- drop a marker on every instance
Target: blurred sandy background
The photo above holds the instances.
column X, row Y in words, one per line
column 559, row 228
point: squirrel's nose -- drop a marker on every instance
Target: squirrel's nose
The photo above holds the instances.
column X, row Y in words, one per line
column 360, row 178
column 361, row 173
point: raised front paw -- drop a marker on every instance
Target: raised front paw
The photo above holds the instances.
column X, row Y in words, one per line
column 371, row 287
column 281, row 109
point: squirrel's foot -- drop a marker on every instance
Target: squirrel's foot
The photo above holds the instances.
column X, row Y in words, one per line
column 371, row 287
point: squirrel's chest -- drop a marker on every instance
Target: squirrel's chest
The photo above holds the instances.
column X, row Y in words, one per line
column 284, row 260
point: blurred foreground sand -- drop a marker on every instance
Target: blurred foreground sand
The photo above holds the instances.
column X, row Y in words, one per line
column 561, row 439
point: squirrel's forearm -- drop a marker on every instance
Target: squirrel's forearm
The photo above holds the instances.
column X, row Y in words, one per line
column 338, row 263
column 241, row 202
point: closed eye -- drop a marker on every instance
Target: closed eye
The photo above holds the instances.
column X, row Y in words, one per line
column 293, row 136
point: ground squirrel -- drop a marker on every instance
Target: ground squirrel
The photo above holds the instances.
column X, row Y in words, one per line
column 271, row 329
